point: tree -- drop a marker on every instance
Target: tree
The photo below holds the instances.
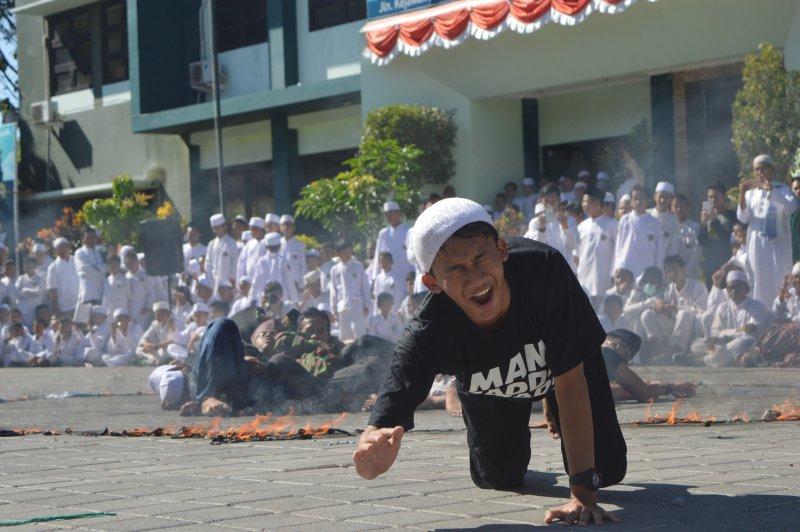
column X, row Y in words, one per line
column 766, row 111
column 350, row 204
column 118, row 217
column 428, row 128
column 9, row 75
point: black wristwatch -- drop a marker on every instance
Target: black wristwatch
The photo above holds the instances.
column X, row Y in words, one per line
column 589, row 479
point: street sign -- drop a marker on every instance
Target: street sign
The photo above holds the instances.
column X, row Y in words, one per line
column 381, row 8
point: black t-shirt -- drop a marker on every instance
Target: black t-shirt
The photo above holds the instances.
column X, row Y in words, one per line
column 550, row 328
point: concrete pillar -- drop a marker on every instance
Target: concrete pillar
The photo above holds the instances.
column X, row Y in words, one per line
column 663, row 127
column 282, row 28
column 284, row 157
column 531, row 150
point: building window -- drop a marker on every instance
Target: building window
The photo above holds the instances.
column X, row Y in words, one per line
column 115, row 42
column 70, row 51
column 240, row 23
column 327, row 13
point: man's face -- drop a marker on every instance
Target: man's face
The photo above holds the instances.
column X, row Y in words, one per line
column 796, row 188
column 193, row 235
column 312, row 262
column 244, row 288
column 225, row 293
column 566, row 184
column 763, row 171
column 616, row 344
column 612, row 310
column 219, row 230
column 740, row 233
column 392, row 218
column 385, row 263
column 470, row 272
column 63, row 251
column 499, row 204
column 663, row 201
column 527, row 190
column 716, row 199
column 113, row 267
column 287, row 228
column 201, row 318
column 680, row 208
column 65, row 327
column 591, row 206
column 204, row 292
column 38, row 328
column 29, row 267
column 639, row 201
column 162, row 316
column 511, row 192
column 123, row 321
column 622, row 281
column 624, row 207
column 737, row 291
column 675, row 274
column 257, row 232
column 316, row 328
column 550, row 200
column 238, row 227
column 90, row 240
column 345, row 254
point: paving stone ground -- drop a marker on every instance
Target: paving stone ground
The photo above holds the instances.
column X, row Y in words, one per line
column 727, row 476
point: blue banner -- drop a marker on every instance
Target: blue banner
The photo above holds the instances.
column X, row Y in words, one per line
column 8, row 180
column 381, row 8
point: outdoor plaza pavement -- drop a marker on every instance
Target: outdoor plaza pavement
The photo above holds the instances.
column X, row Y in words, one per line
column 741, row 476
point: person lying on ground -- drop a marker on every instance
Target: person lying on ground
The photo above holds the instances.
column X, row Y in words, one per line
column 443, row 396
column 542, row 343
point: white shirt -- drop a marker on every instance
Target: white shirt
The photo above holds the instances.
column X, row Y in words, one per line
column 139, row 294
column 669, row 227
column 729, row 318
column 769, row 238
column 349, row 287
column 294, row 252
column 68, row 351
column 639, row 243
column 221, row 257
column 554, row 235
column 9, row 285
column 121, row 347
column 274, row 267
column 693, row 296
column 240, row 304
column 117, row 292
column 62, row 277
column 190, row 252
column 789, row 309
column 248, row 258
column 30, row 294
column 393, row 240
column 385, row 282
column 91, row 272
column 596, row 254
column 687, row 238
column 608, row 325
column 389, row 328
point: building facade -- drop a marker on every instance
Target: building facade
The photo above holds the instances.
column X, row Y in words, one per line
column 539, row 93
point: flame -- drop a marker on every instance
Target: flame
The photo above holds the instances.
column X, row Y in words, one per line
column 789, row 410
column 673, row 413
column 740, row 418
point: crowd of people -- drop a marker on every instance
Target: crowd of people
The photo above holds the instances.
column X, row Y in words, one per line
column 695, row 291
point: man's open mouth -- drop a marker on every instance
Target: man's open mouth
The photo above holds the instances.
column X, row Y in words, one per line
column 483, row 297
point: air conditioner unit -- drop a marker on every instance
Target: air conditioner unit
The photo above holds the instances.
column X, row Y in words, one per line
column 200, row 75
column 44, row 112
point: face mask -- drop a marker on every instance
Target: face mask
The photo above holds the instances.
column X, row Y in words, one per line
column 649, row 289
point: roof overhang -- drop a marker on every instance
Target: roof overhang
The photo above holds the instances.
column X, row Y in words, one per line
column 43, row 8
column 103, row 189
column 451, row 24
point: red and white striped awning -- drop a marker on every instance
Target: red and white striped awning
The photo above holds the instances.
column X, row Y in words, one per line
column 450, row 24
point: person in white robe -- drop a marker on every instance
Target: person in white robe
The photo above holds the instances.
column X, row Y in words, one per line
column 787, row 303
column 91, row 269
column 43, row 258
column 193, row 249
column 647, row 295
column 188, row 339
column 676, row 323
column 245, row 299
column 116, row 286
column 159, row 335
column 766, row 205
column 95, row 342
column 385, row 281
column 736, row 324
column 597, row 239
column 609, row 207
column 181, row 306
column 62, row 279
column 273, row 267
column 392, row 239
column 253, row 249
column 294, row 252
column 387, row 323
column 123, row 340
column 30, row 290
column 19, row 348
column 640, row 240
column 67, row 344
column 555, row 232
column 312, row 296
column 662, row 211
column 140, row 290
column 612, row 317
column 527, row 200
column 688, row 237
column 222, row 252
column 350, row 294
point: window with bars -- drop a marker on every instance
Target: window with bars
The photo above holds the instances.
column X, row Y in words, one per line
column 115, row 42
column 240, row 23
column 70, row 51
column 327, row 13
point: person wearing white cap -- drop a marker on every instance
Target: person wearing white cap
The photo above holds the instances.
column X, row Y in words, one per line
column 350, row 295
column 116, row 286
column 735, row 325
column 624, row 206
column 566, row 187
column 662, row 211
column 766, row 205
column 193, row 248
column 43, row 258
column 91, row 269
column 171, row 385
column 141, row 290
column 252, row 250
column 189, row 338
column 62, row 279
column 124, row 339
column 598, row 235
column 392, row 238
column 272, row 223
column 687, row 236
column 527, row 200
column 273, row 266
column 609, row 202
column 245, row 299
column 603, row 182
column 96, row 340
column 153, row 344
column 640, row 241
column 385, row 282
column 312, row 295
column 552, row 230
column 294, row 252
column 67, row 344
column 506, row 352
column 222, row 252
column 787, row 303
column 30, row 290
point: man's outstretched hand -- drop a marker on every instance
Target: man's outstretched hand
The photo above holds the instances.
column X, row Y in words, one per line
column 376, row 451
column 580, row 511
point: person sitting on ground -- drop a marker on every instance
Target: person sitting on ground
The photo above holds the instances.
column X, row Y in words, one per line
column 648, row 293
column 624, row 283
column 619, row 348
column 155, row 340
column 68, row 344
column 275, row 307
column 19, row 348
column 45, row 344
column 245, row 300
column 736, row 324
column 443, row 396
column 117, row 291
column 123, row 340
column 312, row 295
column 171, row 384
column 407, row 307
column 187, row 340
column 612, row 317
column 98, row 333
column 387, row 323
column 787, row 303
column 181, row 306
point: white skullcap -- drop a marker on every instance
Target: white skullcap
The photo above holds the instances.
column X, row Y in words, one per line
column 155, row 376
column 272, row 239
column 38, row 247
column 245, row 279
column 100, row 310
column 390, row 206
column 124, row 250
column 312, row 253
column 311, row 276
column 140, row 256
column 160, row 305
column 256, row 221
column 528, row 182
column 736, row 275
column 217, row 220
column 625, row 197
column 666, row 187
column 60, row 241
column 763, row 159
column 609, row 198
column 602, row 176
column 170, row 388
column 119, row 313
column 583, row 174
column 224, row 283
column 200, row 307
column 539, row 209
column 438, row 223
column 581, row 184
column 247, row 236
column 287, row 219
column 272, row 218
column 204, row 281
column 240, row 218
column 194, row 267
column 796, row 268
